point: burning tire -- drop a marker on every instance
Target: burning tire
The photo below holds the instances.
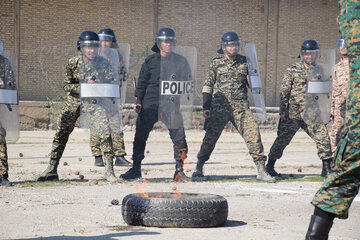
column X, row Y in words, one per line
column 167, row 210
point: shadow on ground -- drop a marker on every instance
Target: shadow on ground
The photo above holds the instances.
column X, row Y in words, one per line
column 99, row 237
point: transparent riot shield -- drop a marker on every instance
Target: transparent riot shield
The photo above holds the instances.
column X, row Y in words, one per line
column 9, row 114
column 124, row 60
column 177, row 85
column 255, row 81
column 100, row 94
column 317, row 108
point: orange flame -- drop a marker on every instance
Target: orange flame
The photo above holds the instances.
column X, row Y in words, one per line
column 141, row 189
column 177, row 194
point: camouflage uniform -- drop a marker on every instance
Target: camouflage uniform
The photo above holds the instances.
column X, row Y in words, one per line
column 71, row 110
column 292, row 96
column 7, row 80
column 227, row 83
column 341, row 79
column 342, row 184
column 69, row 115
column 116, row 136
column 100, row 112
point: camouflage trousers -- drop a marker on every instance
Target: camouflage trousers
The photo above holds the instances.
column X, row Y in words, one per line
column 4, row 168
column 342, row 185
column 65, row 126
column 99, row 124
column 244, row 122
column 288, row 128
column 117, row 142
column 336, row 131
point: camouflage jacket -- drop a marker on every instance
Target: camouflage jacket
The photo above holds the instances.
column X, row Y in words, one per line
column 340, row 82
column 227, row 81
column 293, row 91
column 122, row 68
column 7, row 77
column 76, row 71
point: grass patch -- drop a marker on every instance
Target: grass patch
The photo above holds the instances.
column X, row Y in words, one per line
column 94, row 171
column 44, row 162
column 305, row 179
column 242, row 195
column 43, row 184
column 242, row 166
column 253, row 180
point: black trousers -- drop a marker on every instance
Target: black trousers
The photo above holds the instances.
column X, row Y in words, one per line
column 145, row 123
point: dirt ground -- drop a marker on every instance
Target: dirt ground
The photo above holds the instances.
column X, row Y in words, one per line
column 77, row 208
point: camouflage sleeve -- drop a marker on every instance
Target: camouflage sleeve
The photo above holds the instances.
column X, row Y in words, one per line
column 334, row 92
column 285, row 91
column 122, row 71
column 9, row 76
column 142, row 82
column 210, row 80
column 71, row 86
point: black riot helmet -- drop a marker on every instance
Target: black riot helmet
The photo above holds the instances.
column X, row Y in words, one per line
column 108, row 33
column 88, row 39
column 307, row 47
column 227, row 39
column 164, row 34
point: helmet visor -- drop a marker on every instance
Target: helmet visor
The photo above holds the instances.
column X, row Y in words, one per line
column 231, row 48
column 310, row 56
column 89, row 43
column 166, row 43
column 104, row 37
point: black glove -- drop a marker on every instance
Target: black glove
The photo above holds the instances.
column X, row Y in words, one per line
column 206, row 101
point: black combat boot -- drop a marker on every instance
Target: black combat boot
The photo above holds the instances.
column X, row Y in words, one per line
column 319, row 228
column 134, row 172
column 121, row 161
column 179, row 175
column 4, row 181
column 99, row 162
column 131, row 174
column 199, row 169
column 270, row 167
column 50, row 174
column 326, row 167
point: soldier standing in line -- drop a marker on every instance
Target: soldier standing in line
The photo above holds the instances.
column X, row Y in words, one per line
column 338, row 101
column 108, row 41
column 292, row 104
column 342, row 184
column 225, row 99
column 7, row 81
column 161, row 65
column 87, row 45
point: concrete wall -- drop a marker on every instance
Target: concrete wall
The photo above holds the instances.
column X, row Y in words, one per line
column 44, row 33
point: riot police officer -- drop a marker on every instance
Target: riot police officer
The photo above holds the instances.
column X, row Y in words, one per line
column 339, row 90
column 107, row 41
column 292, row 105
column 7, row 81
column 225, row 99
column 87, row 45
column 147, row 104
column 341, row 185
